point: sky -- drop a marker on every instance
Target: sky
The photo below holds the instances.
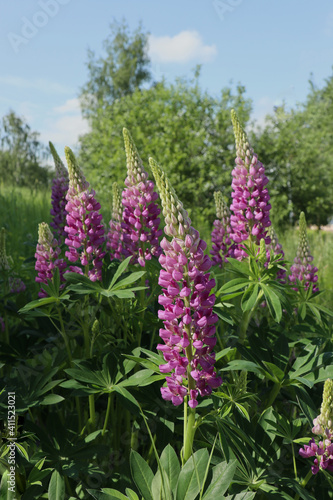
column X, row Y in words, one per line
column 270, row 46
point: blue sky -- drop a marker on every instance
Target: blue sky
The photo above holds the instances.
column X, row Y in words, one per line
column 270, row 46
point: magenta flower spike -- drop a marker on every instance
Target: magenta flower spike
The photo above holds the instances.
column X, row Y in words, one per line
column 141, row 212
column 47, row 257
column 189, row 322
column 275, row 248
column 323, row 426
column 15, row 284
column 303, row 269
column 250, row 205
column 221, row 242
column 85, row 231
column 58, row 196
column 115, row 237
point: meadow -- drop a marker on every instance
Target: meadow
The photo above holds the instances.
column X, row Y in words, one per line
column 152, row 362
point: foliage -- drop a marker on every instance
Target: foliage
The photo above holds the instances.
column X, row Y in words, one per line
column 22, row 156
column 296, row 147
column 188, row 130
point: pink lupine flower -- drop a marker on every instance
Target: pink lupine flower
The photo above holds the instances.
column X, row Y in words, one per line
column 85, row 231
column 187, row 314
column 323, row 426
column 114, row 241
column 250, row 205
column 141, row 213
column 302, row 269
column 47, row 257
column 221, row 243
column 58, row 196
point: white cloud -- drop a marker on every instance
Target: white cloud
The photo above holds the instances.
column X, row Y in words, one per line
column 39, row 84
column 70, row 106
column 184, row 47
column 65, row 130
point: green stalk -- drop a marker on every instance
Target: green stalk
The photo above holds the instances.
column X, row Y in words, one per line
column 92, row 410
column 273, row 394
column 108, row 410
column 64, row 335
column 304, row 482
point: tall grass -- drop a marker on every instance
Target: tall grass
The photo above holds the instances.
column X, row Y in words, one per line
column 21, row 210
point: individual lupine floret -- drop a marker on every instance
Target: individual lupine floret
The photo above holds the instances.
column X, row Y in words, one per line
column 58, row 196
column 15, row 284
column 85, row 231
column 323, row 426
column 221, row 242
column 275, row 248
column 188, row 318
column 250, row 205
column 47, row 257
column 115, row 237
column 302, row 269
column 140, row 215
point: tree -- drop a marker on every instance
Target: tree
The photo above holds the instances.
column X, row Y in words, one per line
column 124, row 68
column 297, row 148
column 185, row 129
column 21, row 153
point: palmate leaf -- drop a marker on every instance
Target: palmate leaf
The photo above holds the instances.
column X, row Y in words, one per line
column 223, row 474
column 142, row 475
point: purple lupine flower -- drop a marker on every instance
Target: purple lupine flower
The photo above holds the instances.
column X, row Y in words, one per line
column 85, row 231
column 58, row 196
column 141, row 213
column 114, row 242
column 275, row 248
column 187, row 315
column 323, row 426
column 47, row 257
column 250, row 205
column 302, row 269
column 15, row 284
column 221, row 243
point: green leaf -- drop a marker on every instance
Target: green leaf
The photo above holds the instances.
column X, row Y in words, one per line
column 250, row 297
column 127, row 395
column 223, row 474
column 121, row 269
column 107, row 494
column 273, row 302
column 233, row 285
column 131, row 494
column 241, row 267
column 193, row 471
column 170, row 464
column 137, row 379
column 52, row 399
column 39, row 303
column 130, row 279
column 56, row 489
column 22, row 451
column 142, row 475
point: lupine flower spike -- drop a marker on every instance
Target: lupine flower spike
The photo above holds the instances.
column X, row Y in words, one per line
column 275, row 248
column 15, row 284
column 47, row 257
column 140, row 215
column 323, row 426
column 85, row 231
column 250, row 205
column 189, row 321
column 115, row 238
column 58, row 196
column 221, row 242
column 302, row 269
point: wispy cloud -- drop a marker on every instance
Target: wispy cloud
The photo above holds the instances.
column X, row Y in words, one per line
column 184, row 47
column 39, row 84
column 65, row 124
column 70, row 106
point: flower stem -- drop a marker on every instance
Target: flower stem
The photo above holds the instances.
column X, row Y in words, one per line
column 108, row 410
column 189, row 433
